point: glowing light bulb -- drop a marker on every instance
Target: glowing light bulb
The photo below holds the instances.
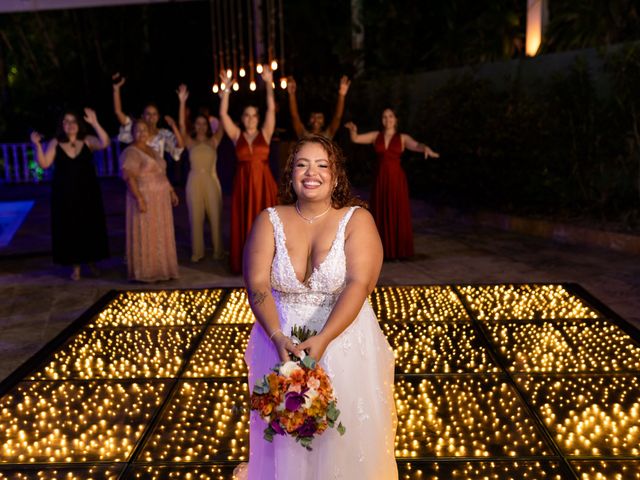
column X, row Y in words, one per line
column 223, row 87
column 252, row 86
column 242, row 72
column 229, row 73
column 283, row 83
column 235, row 86
column 215, row 88
column 274, row 65
column 259, row 68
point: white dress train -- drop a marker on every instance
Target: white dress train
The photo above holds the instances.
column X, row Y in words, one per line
column 359, row 362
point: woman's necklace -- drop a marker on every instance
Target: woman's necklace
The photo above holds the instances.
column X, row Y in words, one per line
column 314, row 218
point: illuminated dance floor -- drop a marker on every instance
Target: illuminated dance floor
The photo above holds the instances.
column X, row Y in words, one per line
column 492, row 381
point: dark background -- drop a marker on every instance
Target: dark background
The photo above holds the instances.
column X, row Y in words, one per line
column 50, row 59
column 567, row 149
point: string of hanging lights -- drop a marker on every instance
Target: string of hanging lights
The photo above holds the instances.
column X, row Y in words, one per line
column 245, row 36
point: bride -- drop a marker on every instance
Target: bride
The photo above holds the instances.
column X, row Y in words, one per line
column 312, row 261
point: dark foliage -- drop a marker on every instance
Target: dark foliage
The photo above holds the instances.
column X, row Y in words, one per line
column 562, row 149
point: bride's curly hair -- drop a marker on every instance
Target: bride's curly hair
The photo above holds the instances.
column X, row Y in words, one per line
column 341, row 196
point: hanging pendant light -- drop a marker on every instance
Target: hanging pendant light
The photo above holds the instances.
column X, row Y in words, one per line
column 245, row 40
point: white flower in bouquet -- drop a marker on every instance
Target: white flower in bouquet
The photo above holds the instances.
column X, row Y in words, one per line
column 287, row 368
column 310, row 395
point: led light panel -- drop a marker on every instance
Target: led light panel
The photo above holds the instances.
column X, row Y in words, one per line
column 525, row 302
column 497, row 381
column 75, row 421
column 176, row 308
column 463, row 416
column 597, row 346
column 503, row 470
column 607, row 469
column 588, row 414
column 221, row 352
column 236, row 309
column 204, row 422
column 438, row 347
column 193, row 472
column 120, row 354
column 97, row 472
column 417, row 304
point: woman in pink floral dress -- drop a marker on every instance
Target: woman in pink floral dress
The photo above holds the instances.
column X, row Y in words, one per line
column 151, row 242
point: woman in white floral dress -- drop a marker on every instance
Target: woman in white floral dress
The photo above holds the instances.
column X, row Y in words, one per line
column 162, row 140
column 312, row 261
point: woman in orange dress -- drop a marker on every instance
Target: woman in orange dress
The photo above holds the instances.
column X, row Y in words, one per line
column 254, row 187
column 389, row 201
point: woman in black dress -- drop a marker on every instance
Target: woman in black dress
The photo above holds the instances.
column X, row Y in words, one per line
column 78, row 228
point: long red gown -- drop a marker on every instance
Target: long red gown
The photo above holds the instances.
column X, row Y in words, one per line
column 390, row 200
column 254, row 189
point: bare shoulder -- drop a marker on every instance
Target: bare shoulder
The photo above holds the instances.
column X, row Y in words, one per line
column 286, row 213
column 263, row 221
column 361, row 217
column 361, row 224
column 259, row 248
column 363, row 247
column 261, row 234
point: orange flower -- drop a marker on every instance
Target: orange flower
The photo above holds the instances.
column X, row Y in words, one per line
column 315, row 384
column 267, row 409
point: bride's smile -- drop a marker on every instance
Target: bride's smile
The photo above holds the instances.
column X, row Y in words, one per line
column 312, row 175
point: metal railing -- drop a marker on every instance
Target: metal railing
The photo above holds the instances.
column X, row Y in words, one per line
column 18, row 163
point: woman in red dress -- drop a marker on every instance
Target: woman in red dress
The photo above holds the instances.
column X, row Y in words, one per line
column 389, row 201
column 254, row 187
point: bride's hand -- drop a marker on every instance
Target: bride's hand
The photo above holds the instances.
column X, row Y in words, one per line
column 315, row 346
column 285, row 345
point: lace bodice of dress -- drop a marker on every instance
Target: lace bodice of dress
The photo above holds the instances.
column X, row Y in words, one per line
column 326, row 281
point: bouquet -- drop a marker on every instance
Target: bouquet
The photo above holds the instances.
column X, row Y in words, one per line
column 297, row 398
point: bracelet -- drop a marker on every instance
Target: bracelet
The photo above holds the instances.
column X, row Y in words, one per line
column 275, row 331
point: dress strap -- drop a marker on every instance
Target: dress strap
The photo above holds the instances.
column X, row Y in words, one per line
column 278, row 229
column 345, row 219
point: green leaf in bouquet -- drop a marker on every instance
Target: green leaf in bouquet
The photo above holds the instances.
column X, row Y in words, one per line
column 261, row 387
column 302, row 333
column 276, row 367
column 309, row 362
column 305, row 442
column 332, row 412
column 341, row 429
column 268, row 434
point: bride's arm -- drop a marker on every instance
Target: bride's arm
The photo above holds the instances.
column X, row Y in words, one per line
column 258, row 255
column 363, row 251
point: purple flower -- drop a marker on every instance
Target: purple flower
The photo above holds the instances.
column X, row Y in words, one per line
column 276, row 427
column 293, row 400
column 308, row 428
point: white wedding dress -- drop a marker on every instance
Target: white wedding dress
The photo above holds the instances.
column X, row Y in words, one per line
column 359, row 362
